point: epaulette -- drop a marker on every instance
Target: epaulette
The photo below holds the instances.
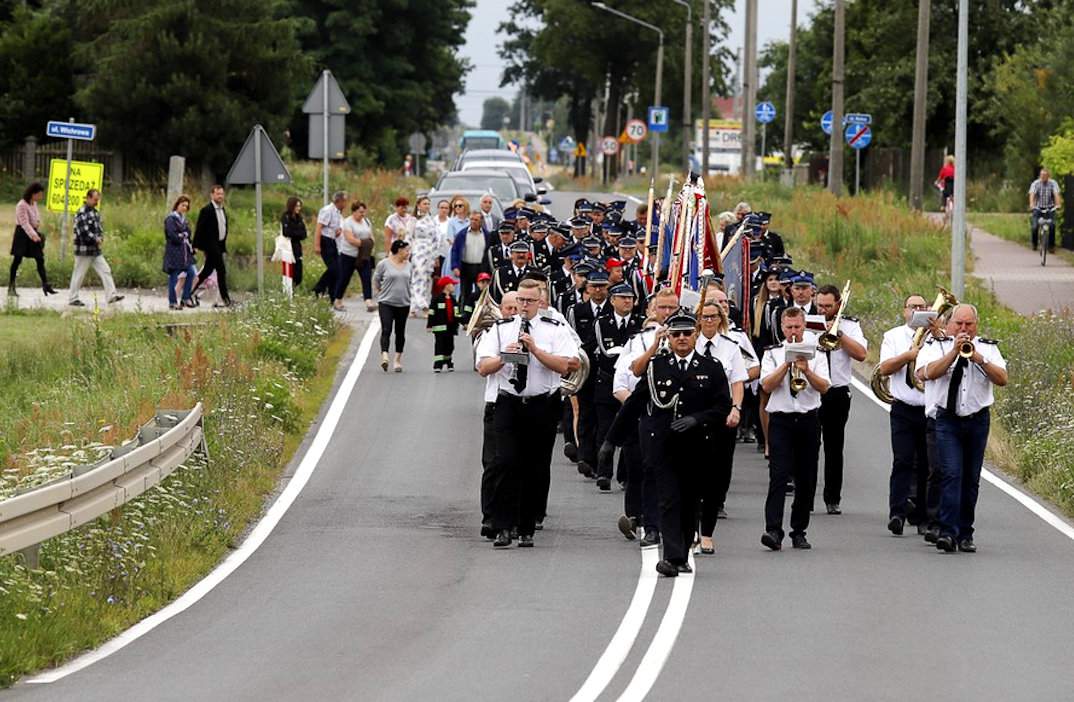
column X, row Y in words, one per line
column 505, row 320
column 735, row 328
column 733, row 341
column 983, row 340
column 848, row 318
column 550, row 320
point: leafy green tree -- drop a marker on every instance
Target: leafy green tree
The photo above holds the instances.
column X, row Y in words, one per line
column 1058, row 155
column 187, row 76
column 493, row 110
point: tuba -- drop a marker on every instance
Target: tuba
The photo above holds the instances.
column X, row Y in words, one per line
column 880, row 384
column 485, row 314
column 571, row 383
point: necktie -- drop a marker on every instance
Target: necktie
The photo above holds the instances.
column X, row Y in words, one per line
column 708, row 348
column 682, row 365
column 956, row 380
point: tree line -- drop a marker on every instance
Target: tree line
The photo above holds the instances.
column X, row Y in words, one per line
column 161, row 77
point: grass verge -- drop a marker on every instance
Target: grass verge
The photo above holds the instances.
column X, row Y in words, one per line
column 80, row 385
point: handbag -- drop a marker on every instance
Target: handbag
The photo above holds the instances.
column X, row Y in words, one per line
column 365, row 250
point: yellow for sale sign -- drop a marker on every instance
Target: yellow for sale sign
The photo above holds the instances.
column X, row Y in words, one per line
column 84, row 176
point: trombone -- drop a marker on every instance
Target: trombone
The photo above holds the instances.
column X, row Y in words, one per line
column 829, row 340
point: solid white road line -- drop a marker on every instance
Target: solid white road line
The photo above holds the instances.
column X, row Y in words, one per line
column 664, row 640
column 1025, row 500
column 623, row 640
column 252, row 542
column 635, row 200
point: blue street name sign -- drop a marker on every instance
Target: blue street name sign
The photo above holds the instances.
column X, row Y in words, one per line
column 658, row 118
column 858, row 136
column 857, row 118
column 766, row 112
column 71, row 130
column 826, row 122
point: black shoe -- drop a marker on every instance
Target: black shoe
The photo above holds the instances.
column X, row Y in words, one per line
column 503, row 539
column 11, row 291
column 721, row 513
column 651, row 538
column 513, row 533
column 539, row 524
column 932, row 534
column 772, row 540
column 790, row 487
column 833, row 508
column 487, row 531
column 116, row 298
column 604, row 484
column 748, row 437
column 48, row 289
column 586, row 470
column 895, row 525
column 76, row 303
column 570, row 450
column 525, row 541
column 627, row 527
column 967, row 546
column 189, row 303
column 666, row 569
column 684, row 568
column 922, row 529
column 799, row 541
column 946, row 544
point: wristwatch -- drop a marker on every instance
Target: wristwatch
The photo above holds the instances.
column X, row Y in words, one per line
column 984, row 362
column 737, row 407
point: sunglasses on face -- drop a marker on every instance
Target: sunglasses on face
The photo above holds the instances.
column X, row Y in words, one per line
column 679, row 332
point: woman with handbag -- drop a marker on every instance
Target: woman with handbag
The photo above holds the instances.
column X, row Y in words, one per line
column 179, row 253
column 352, row 234
column 29, row 240
column 293, row 227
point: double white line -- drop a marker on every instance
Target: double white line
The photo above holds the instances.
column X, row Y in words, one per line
column 622, row 642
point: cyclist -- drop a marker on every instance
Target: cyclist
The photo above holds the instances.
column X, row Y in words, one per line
column 1043, row 193
column 945, row 183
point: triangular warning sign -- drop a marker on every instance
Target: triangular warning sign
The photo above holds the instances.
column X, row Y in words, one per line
column 337, row 102
column 243, row 171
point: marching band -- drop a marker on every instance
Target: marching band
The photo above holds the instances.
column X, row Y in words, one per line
column 666, row 340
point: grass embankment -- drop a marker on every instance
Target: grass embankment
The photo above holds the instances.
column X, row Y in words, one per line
column 75, row 386
column 134, row 234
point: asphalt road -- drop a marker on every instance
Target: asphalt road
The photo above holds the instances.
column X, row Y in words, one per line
column 376, row 586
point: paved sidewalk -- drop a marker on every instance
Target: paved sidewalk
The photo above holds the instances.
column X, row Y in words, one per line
column 1015, row 275
column 135, row 300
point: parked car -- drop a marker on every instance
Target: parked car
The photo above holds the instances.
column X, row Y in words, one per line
column 486, row 155
column 500, row 184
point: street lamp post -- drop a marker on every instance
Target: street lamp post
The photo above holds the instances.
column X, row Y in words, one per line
column 659, row 73
column 687, row 104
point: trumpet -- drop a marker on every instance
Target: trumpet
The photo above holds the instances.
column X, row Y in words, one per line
column 829, row 341
column 798, row 381
column 966, row 349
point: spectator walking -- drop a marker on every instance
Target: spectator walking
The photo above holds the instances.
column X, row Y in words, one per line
column 352, row 234
column 89, row 233
column 210, row 236
column 445, row 231
column 444, row 324
column 424, row 244
column 391, row 283
column 29, row 240
column 293, row 228
column 399, row 224
column 468, row 253
column 329, row 220
column 179, row 253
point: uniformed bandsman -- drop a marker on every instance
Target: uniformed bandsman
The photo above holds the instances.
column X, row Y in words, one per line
column 596, row 219
column 793, row 431
column 582, row 318
column 959, row 373
column 541, row 251
column 802, row 289
column 579, row 228
column 469, row 302
column 527, row 407
column 612, row 333
column 908, row 495
column 500, row 253
column 835, row 406
column 509, row 275
column 523, row 219
column 594, row 249
column 772, row 240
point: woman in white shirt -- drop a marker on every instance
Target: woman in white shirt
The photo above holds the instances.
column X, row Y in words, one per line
column 444, row 225
column 399, row 224
column 424, row 242
column 354, row 235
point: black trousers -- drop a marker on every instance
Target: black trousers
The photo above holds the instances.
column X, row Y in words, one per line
column 716, row 476
column 793, row 450
column 443, row 348
column 834, row 411
column 296, row 273
column 344, row 273
column 214, row 261
column 547, row 436
column 490, row 475
column 567, row 422
column 40, row 260
column 677, row 483
column 392, row 316
column 522, row 426
column 751, row 414
column 910, row 463
column 587, row 424
column 649, row 487
column 467, row 278
column 605, row 411
column 932, row 499
column 326, row 284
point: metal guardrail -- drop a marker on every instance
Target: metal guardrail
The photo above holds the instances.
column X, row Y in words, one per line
column 90, row 491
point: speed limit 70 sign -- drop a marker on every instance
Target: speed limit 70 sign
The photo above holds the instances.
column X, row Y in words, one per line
column 636, row 130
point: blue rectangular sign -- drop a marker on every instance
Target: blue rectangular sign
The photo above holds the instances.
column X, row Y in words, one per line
column 658, row 118
column 71, row 130
column 858, row 118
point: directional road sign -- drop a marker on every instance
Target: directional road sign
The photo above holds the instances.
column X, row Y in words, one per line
column 636, row 131
column 658, row 119
column 766, row 112
column 858, row 136
column 84, row 176
column 826, row 122
column 71, row 130
column 857, row 118
column 609, row 146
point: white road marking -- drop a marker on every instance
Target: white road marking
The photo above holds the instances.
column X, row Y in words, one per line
column 1025, row 500
column 635, row 200
column 664, row 640
column 253, row 541
column 623, row 640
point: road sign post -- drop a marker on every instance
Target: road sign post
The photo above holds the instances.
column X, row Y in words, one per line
column 609, row 146
column 765, row 113
column 858, row 135
column 257, row 162
column 324, row 101
column 70, row 131
column 658, row 124
column 417, row 143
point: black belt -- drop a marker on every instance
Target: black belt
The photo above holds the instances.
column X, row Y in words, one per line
column 502, row 395
column 908, row 405
column 793, row 414
column 942, row 412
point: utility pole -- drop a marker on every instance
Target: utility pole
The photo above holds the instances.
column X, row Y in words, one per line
column 958, row 228
column 749, row 93
column 687, row 103
column 921, row 84
column 706, row 98
column 788, row 109
column 835, row 154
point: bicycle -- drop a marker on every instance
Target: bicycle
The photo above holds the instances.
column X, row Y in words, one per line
column 1044, row 232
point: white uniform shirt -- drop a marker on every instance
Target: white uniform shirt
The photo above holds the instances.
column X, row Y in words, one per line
column 624, row 378
column 838, row 363
column 781, row 399
column 550, row 337
column 898, row 341
column 727, row 352
column 975, row 390
column 492, row 385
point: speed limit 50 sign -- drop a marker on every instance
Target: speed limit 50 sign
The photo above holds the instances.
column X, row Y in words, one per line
column 609, row 146
column 636, row 130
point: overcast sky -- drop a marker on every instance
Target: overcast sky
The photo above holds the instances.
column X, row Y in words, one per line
column 482, row 41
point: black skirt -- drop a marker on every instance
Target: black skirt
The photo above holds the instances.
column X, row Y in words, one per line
column 23, row 245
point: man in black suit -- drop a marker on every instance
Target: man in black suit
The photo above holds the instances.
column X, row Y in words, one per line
column 210, row 236
column 612, row 333
column 583, row 317
column 499, row 253
column 509, row 275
